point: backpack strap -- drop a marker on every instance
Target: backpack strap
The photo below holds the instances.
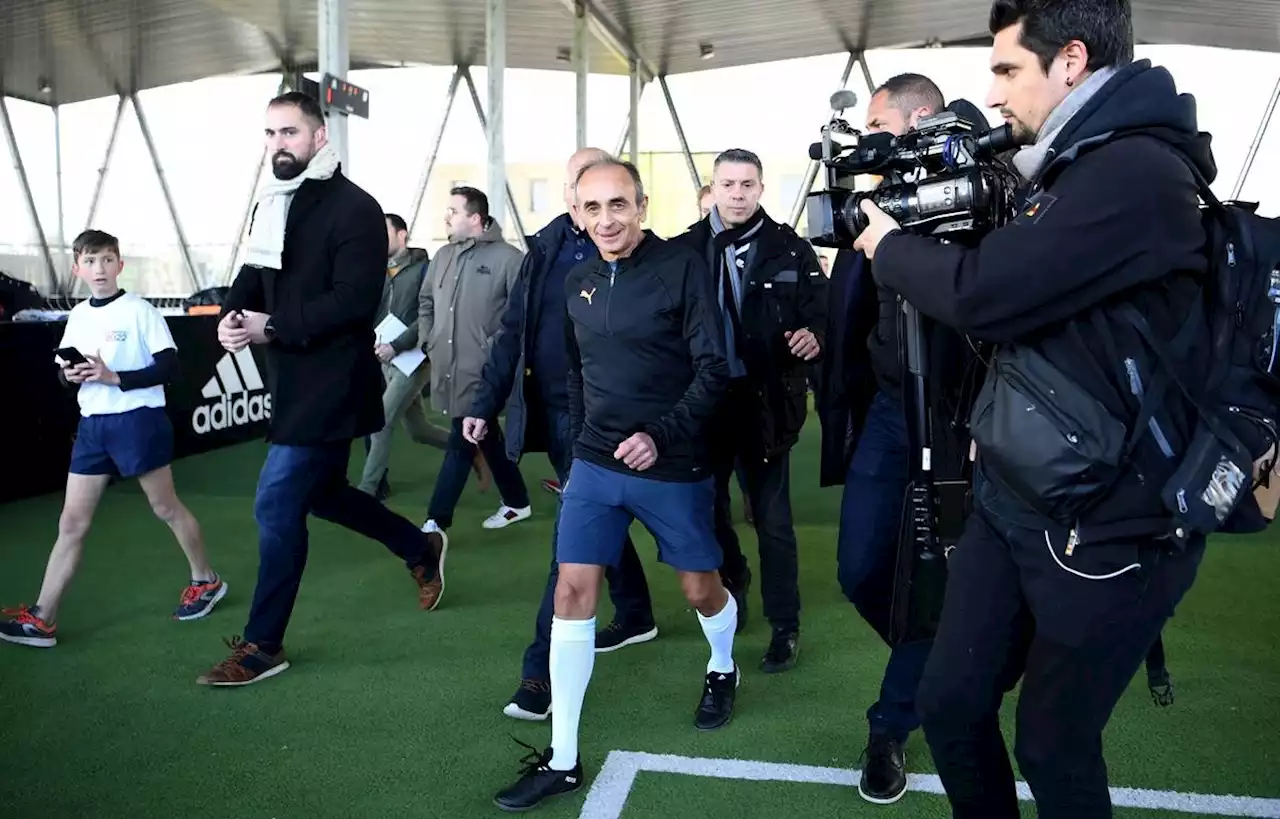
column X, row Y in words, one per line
column 1169, row 355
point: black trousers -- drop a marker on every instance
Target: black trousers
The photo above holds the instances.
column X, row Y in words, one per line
column 768, row 488
column 1015, row 603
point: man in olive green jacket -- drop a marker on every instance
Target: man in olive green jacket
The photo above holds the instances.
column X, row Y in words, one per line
column 402, row 394
column 459, row 312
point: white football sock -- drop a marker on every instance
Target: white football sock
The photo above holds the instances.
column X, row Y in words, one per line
column 573, row 655
column 719, row 630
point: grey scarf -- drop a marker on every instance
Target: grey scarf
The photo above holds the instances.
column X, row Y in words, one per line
column 725, row 242
column 731, row 239
column 1031, row 159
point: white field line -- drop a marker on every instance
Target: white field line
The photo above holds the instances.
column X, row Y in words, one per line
column 612, row 785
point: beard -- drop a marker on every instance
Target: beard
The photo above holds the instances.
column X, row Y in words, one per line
column 286, row 166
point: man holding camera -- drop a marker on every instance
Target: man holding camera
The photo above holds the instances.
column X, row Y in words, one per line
column 1065, row 575
column 773, row 297
column 863, row 377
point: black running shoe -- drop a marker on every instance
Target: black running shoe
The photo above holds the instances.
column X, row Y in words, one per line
column 619, row 635
column 538, row 782
column 532, row 701
column 716, row 708
column 1161, row 687
column 783, row 649
column 884, row 774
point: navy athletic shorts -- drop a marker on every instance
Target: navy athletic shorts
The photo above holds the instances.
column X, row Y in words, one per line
column 599, row 504
column 125, row 445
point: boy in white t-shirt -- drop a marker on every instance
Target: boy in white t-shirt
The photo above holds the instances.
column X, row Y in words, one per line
column 128, row 356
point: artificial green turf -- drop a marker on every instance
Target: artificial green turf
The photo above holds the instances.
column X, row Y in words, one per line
column 391, row 712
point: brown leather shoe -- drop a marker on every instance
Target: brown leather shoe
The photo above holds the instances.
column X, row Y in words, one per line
column 484, row 477
column 247, row 665
column 430, row 591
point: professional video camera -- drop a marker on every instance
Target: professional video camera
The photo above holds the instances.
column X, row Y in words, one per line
column 943, row 178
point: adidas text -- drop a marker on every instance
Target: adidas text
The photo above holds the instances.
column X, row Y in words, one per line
column 238, row 395
column 244, row 409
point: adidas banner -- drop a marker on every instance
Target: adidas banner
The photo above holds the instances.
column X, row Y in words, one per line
column 219, row 399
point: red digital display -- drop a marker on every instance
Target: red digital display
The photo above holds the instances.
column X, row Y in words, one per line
column 342, row 96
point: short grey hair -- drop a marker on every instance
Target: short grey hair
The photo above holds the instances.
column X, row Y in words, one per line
column 740, row 156
column 608, row 161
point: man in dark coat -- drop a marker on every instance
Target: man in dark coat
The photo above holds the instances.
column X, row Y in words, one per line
column 773, row 297
column 309, row 291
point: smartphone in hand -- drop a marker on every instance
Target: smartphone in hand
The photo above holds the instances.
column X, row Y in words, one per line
column 69, row 357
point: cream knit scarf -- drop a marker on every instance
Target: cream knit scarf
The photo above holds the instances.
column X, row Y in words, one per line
column 266, row 236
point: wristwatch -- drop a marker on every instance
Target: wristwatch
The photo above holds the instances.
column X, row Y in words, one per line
column 269, row 329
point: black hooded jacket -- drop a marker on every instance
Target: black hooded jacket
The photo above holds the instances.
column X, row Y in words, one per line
column 1112, row 218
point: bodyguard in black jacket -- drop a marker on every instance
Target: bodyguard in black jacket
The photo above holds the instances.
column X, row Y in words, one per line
column 309, row 291
column 1070, row 593
column 774, row 313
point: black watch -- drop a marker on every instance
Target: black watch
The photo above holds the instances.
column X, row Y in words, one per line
column 269, row 329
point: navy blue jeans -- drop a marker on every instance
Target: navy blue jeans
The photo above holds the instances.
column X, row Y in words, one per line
column 870, row 517
column 628, row 588
column 301, row 480
column 459, row 455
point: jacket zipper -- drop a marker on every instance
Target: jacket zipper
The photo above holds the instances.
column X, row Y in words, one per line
column 1135, row 387
column 1065, row 427
column 608, row 297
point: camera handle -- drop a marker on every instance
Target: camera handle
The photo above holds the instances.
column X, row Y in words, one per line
column 920, row 571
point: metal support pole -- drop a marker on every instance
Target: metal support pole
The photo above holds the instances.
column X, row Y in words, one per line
column 253, row 198
column 168, row 195
column 495, row 27
column 484, row 123
column 423, row 181
column 626, row 125
column 633, row 124
column 580, row 69
column 1257, row 141
column 684, row 143
column 106, row 163
column 71, row 284
column 18, row 166
column 232, row 267
column 57, row 170
column 335, row 59
column 803, row 194
column 866, row 75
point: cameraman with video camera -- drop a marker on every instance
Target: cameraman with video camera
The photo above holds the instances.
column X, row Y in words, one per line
column 1069, row 566
column 866, row 376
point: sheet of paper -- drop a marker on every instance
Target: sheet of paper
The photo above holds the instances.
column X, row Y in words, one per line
column 409, row 361
column 389, row 329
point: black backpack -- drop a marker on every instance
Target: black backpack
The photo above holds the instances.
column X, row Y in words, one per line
column 1235, row 381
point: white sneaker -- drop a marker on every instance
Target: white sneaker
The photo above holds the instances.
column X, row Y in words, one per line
column 506, row 515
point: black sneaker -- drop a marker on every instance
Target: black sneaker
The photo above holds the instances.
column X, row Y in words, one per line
column 531, row 702
column 716, row 708
column 782, row 652
column 1161, row 686
column 884, row 772
column 538, row 782
column 618, row 635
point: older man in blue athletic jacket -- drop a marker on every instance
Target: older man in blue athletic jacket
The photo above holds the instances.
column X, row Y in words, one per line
column 532, row 341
